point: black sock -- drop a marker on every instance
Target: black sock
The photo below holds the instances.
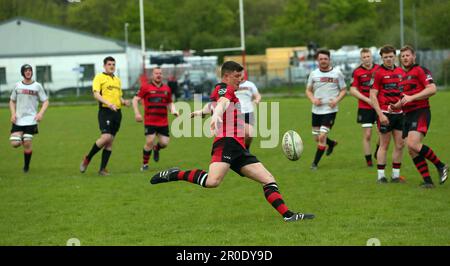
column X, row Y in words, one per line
column 105, row 157
column 368, row 158
column 27, row 159
column 93, row 151
column 146, row 156
column 330, row 142
column 319, row 153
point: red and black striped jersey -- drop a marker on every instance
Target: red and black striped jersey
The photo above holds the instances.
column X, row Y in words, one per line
column 155, row 100
column 387, row 83
column 361, row 79
column 414, row 81
column 232, row 123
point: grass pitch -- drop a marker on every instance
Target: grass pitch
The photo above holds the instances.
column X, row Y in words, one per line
column 54, row 202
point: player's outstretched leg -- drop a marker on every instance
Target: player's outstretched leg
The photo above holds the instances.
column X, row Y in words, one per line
column 195, row 176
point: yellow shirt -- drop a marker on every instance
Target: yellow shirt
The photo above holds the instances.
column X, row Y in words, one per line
column 109, row 87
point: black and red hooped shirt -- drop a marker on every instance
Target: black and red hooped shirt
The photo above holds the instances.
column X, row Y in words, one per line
column 414, row 81
column 232, row 122
column 361, row 79
column 388, row 84
column 155, row 100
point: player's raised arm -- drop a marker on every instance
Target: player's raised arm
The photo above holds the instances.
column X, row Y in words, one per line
column 204, row 111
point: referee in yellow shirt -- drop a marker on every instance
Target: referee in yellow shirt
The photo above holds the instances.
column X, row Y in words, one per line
column 107, row 90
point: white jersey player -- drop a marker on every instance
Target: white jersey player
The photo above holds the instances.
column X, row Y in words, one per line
column 325, row 89
column 248, row 95
column 23, row 104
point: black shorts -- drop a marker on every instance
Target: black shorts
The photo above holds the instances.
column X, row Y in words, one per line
column 396, row 122
column 326, row 120
column 366, row 117
column 228, row 150
column 249, row 118
column 32, row 130
column 109, row 121
column 417, row 120
column 150, row 130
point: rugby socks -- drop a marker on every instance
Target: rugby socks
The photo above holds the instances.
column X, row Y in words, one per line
column 274, row 197
column 27, row 159
column 195, row 176
column 93, row 151
column 369, row 159
column 146, row 156
column 428, row 153
column 380, row 170
column 396, row 170
column 105, row 158
column 330, row 142
column 422, row 167
column 319, row 153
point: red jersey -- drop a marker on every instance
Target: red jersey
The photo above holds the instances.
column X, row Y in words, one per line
column 414, row 81
column 387, row 83
column 232, row 125
column 361, row 79
column 155, row 100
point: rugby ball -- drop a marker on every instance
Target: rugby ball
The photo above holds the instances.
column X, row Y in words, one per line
column 292, row 145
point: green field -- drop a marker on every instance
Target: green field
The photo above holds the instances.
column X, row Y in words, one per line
column 54, row 202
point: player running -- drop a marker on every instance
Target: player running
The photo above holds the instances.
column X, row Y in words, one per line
column 325, row 89
column 157, row 98
column 228, row 149
column 360, row 89
column 23, row 105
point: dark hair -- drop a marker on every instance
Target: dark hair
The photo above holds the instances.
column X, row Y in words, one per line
column 408, row 47
column 386, row 49
column 231, row 66
column 322, row 51
column 109, row 58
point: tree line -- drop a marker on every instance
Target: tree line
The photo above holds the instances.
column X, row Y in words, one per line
column 202, row 24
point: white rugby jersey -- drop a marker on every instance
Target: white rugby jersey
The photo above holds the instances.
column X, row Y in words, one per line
column 245, row 94
column 27, row 97
column 326, row 85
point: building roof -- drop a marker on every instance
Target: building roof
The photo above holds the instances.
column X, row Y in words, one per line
column 23, row 37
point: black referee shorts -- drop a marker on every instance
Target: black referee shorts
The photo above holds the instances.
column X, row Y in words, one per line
column 109, row 120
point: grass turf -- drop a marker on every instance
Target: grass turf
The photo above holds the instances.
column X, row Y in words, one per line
column 54, row 202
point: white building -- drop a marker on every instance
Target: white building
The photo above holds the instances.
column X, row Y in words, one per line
column 61, row 58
